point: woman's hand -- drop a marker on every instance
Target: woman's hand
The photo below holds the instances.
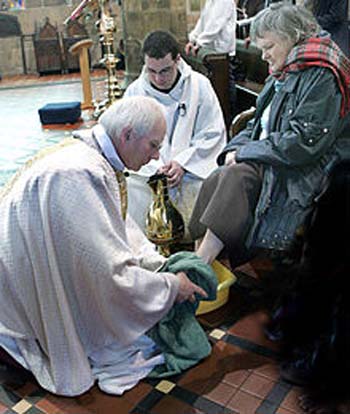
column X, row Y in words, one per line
column 187, row 289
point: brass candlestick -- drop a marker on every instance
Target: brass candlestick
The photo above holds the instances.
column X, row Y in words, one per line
column 106, row 28
column 164, row 223
column 109, row 61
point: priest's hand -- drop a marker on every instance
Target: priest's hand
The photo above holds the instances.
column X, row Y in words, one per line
column 174, row 173
column 187, row 289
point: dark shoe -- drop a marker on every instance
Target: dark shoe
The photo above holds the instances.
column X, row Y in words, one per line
column 297, row 373
column 14, row 375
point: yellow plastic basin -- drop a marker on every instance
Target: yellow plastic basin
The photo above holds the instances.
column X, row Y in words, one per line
column 225, row 279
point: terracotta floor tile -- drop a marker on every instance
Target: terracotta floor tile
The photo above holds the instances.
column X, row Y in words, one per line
column 257, row 386
column 196, row 379
column 96, row 401
column 211, row 369
column 48, row 406
column 251, row 327
column 137, row 393
column 269, row 370
column 291, row 400
column 84, row 404
column 171, row 405
column 64, row 405
column 244, row 403
column 220, row 393
column 284, row 411
column 242, row 361
column 236, row 378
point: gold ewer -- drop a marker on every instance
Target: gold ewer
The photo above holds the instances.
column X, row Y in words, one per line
column 164, row 223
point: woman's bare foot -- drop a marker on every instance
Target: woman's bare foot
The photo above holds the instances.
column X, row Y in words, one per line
column 210, row 247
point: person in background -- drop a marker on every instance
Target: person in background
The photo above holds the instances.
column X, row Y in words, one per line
column 332, row 16
column 312, row 315
column 216, row 30
column 78, row 286
column 272, row 171
column 250, row 7
column 196, row 131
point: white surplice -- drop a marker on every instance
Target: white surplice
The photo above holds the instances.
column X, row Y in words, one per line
column 216, row 27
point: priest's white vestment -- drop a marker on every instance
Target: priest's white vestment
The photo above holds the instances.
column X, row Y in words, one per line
column 71, row 281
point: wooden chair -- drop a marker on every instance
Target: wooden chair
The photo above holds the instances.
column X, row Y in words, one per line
column 74, row 32
column 240, row 121
column 216, row 67
column 47, row 49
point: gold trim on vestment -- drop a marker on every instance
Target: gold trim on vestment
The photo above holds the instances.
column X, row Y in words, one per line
column 50, row 150
column 123, row 193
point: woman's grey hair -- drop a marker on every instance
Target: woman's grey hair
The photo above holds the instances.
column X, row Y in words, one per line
column 290, row 22
column 141, row 113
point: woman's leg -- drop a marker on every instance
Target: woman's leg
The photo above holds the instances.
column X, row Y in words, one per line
column 225, row 206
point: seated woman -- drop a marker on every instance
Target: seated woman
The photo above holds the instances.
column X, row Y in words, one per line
column 274, row 169
column 313, row 316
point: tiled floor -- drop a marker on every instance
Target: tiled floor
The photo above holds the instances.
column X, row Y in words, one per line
column 240, row 376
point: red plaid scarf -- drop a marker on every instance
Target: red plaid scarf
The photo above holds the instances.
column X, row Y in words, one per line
column 318, row 51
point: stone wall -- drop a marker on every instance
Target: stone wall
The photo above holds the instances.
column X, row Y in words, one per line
column 139, row 17
column 142, row 16
column 10, row 56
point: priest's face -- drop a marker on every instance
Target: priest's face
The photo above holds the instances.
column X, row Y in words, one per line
column 138, row 151
column 162, row 72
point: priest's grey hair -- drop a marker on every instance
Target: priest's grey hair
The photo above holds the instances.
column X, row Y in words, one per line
column 290, row 22
column 141, row 113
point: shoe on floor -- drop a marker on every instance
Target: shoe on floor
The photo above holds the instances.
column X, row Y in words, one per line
column 296, row 372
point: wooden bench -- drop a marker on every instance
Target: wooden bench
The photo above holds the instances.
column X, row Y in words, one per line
column 216, row 65
column 256, row 71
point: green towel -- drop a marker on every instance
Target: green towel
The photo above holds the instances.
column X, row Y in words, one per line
column 179, row 335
